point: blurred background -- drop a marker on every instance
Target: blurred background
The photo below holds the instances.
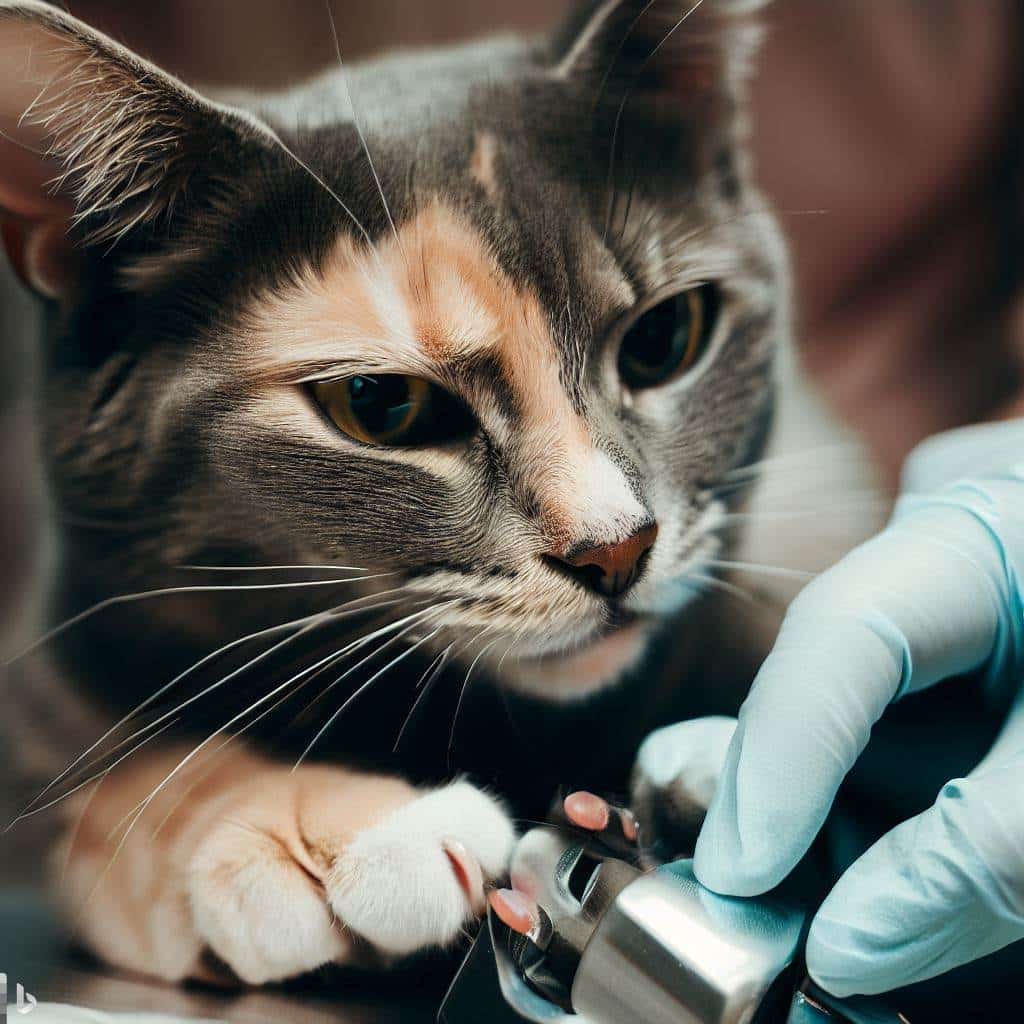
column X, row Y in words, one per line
column 887, row 133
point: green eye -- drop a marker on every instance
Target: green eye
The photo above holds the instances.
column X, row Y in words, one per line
column 668, row 339
column 393, row 410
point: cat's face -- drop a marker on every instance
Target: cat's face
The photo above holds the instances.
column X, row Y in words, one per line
column 501, row 338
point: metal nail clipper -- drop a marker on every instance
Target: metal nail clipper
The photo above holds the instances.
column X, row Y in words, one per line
column 614, row 944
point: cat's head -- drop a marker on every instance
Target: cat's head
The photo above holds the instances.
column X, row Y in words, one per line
column 498, row 319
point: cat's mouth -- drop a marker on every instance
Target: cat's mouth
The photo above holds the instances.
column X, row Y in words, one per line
column 585, row 668
column 602, row 657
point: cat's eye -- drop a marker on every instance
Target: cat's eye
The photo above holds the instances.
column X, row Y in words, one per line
column 393, row 410
column 668, row 339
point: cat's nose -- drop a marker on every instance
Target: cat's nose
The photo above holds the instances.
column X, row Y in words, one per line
column 609, row 569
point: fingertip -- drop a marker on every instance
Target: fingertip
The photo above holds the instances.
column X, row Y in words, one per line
column 841, row 964
column 467, row 871
column 864, row 939
column 723, row 865
column 835, row 986
column 825, row 962
column 734, row 880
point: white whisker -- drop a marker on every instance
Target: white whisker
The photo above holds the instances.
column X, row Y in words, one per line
column 327, row 188
column 799, row 483
column 832, row 510
column 410, row 622
column 424, row 686
column 618, row 116
column 154, row 697
column 365, row 686
column 271, row 568
column 341, row 611
column 356, row 122
column 618, row 50
column 139, row 809
column 519, row 636
column 356, row 645
column 465, row 686
column 764, row 570
column 322, row 617
column 181, row 707
column 227, row 742
column 716, row 584
column 92, row 778
column 111, row 602
column 841, row 449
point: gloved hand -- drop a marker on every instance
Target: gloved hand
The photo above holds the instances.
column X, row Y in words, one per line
column 938, row 593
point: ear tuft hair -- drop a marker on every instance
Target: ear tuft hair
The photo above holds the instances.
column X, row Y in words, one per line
column 683, row 52
column 98, row 127
column 123, row 151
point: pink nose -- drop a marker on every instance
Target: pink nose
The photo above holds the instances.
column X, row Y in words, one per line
column 610, row 569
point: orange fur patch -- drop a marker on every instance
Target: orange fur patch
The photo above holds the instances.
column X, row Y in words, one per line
column 221, row 814
column 420, row 303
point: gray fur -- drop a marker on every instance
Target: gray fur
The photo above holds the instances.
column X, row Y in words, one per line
column 154, row 456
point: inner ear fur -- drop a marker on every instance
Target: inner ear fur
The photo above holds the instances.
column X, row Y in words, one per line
column 94, row 139
column 678, row 53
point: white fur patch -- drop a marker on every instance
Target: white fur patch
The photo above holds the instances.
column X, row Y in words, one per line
column 395, row 885
column 601, row 497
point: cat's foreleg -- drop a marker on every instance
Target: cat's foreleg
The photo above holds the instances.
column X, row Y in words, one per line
column 274, row 872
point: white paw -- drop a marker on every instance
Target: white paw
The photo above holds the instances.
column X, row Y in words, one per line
column 415, row 878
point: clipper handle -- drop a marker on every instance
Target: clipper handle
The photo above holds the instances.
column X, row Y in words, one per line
column 668, row 951
column 642, row 948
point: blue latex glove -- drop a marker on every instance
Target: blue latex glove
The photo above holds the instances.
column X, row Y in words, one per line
column 936, row 594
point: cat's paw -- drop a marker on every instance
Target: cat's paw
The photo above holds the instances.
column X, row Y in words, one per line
column 415, row 878
column 674, row 778
column 275, row 895
column 258, row 910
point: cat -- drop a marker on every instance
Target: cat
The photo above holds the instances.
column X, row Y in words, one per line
column 489, row 341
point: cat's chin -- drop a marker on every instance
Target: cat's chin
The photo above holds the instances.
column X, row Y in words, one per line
column 582, row 671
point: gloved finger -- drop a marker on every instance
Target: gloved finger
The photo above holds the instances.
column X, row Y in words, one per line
column 938, row 891
column 908, row 608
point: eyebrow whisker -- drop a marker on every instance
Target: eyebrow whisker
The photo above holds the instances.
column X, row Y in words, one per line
column 359, row 127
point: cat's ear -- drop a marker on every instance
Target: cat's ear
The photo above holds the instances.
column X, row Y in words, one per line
column 671, row 55
column 96, row 143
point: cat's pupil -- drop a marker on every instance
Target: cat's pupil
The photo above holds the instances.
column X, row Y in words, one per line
column 380, row 403
column 665, row 341
column 663, row 334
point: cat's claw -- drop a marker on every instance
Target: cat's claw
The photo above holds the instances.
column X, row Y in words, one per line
column 468, row 872
column 587, row 810
column 413, row 879
column 616, row 826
